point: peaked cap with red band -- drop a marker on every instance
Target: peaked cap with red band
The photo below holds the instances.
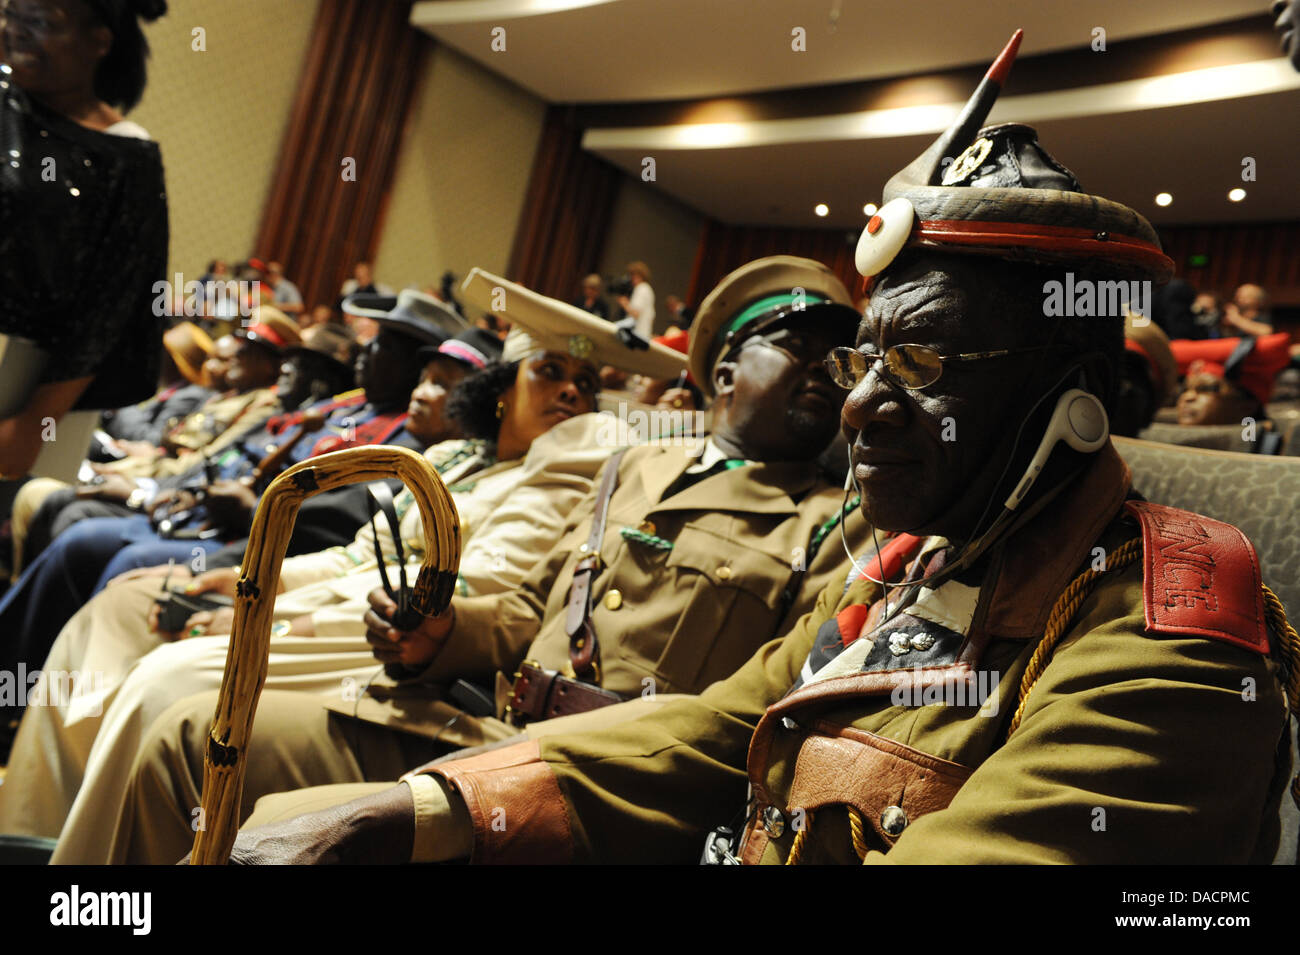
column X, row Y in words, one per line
column 996, row 191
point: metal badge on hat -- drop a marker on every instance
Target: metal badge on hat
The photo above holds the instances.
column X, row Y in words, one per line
column 580, row 346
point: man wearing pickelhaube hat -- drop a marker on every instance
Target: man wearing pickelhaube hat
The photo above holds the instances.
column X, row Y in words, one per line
column 1049, row 672
column 710, row 548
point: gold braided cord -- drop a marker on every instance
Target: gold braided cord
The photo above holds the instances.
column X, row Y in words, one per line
column 858, row 830
column 1288, row 645
column 1058, row 623
column 800, row 837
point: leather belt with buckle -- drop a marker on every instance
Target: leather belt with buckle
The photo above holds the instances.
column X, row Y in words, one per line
column 541, row 694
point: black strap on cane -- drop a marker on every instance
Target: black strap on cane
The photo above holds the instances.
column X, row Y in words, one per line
column 380, row 499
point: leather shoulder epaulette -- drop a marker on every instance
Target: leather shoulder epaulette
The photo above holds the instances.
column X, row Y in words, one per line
column 1200, row 576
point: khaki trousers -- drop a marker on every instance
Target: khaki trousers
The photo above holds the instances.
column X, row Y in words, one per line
column 301, row 757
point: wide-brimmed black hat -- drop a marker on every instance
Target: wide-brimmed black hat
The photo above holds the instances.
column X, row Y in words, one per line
column 474, row 347
column 410, row 312
column 996, row 191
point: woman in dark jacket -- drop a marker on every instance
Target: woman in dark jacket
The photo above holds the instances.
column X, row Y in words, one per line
column 83, row 224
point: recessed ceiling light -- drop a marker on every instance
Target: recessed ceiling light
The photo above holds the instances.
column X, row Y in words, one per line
column 869, row 209
column 1163, row 199
column 821, row 209
column 1236, row 195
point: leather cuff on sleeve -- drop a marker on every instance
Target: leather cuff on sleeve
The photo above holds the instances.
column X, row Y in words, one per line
column 515, row 805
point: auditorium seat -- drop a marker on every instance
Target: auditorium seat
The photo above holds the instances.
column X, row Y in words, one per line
column 1214, row 437
column 1256, row 494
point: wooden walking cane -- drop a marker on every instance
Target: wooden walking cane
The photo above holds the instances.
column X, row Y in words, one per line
column 246, row 660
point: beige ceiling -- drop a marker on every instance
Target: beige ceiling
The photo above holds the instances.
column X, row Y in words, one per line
column 627, row 50
column 1185, row 135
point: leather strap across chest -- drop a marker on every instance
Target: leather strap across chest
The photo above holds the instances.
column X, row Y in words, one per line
column 584, row 653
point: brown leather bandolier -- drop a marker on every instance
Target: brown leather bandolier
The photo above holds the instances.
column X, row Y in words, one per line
column 544, row 694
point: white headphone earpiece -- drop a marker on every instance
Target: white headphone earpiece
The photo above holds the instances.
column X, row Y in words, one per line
column 1080, row 421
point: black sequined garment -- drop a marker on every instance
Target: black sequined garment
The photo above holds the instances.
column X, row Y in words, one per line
column 83, row 240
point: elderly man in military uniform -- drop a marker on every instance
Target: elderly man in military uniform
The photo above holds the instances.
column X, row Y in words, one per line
column 685, row 559
column 1118, row 636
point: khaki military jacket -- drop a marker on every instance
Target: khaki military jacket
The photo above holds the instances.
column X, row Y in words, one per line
column 1133, row 745
column 692, row 583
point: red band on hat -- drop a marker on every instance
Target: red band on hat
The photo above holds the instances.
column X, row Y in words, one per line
column 1048, row 238
column 464, row 352
column 267, row 332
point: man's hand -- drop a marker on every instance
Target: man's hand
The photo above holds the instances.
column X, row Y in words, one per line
column 412, row 648
column 170, row 501
column 231, row 505
column 162, row 570
column 138, row 449
column 372, row 830
column 207, row 623
column 219, row 581
column 114, row 487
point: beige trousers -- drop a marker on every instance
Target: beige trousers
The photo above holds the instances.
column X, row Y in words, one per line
column 70, row 762
column 301, row 757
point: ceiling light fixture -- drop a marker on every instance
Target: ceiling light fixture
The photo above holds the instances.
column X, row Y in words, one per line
column 869, row 209
column 1163, row 199
column 1236, row 195
column 821, row 209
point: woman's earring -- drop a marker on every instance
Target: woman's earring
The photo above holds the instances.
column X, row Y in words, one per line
column 501, row 410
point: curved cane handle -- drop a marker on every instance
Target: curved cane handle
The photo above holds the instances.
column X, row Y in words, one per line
column 246, row 659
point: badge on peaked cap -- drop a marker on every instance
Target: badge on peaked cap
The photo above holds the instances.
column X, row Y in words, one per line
column 884, row 237
column 580, row 346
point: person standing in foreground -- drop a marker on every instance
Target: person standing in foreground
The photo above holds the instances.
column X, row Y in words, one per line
column 79, row 256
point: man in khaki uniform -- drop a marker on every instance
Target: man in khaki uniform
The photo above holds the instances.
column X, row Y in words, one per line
column 709, row 549
column 1051, row 672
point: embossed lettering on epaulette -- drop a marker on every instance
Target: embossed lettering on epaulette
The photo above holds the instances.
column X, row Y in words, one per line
column 1200, row 576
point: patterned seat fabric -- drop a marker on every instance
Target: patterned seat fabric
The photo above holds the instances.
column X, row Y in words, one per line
column 1257, row 494
column 1216, row 437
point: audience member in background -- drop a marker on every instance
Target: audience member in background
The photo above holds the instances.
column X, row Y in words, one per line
column 363, row 282
column 181, row 389
column 591, row 298
column 670, row 394
column 676, row 310
column 362, row 311
column 284, row 294
column 78, row 259
column 1207, row 315
column 1247, row 313
column 217, row 271
column 1287, row 25
column 640, row 305
column 320, row 315
column 1171, row 310
column 1228, row 380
